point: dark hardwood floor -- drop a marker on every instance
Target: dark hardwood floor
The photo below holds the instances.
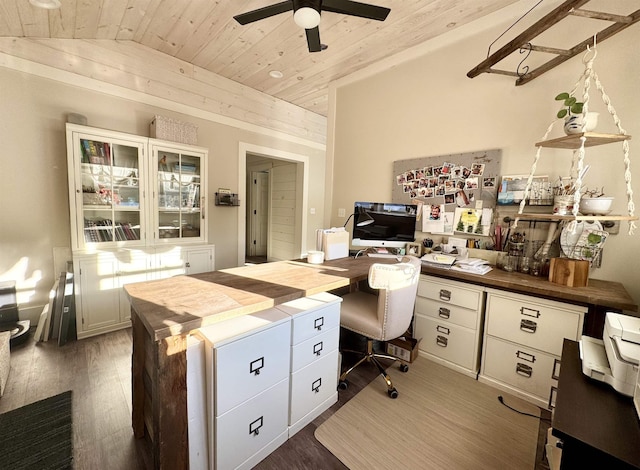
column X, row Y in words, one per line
column 98, row 370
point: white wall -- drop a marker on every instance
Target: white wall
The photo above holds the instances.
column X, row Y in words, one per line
column 427, row 106
column 34, row 213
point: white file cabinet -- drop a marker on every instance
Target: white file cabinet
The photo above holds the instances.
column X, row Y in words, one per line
column 248, row 368
column 523, row 343
column 449, row 319
column 315, row 335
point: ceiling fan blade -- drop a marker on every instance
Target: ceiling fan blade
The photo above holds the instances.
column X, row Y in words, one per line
column 265, row 12
column 363, row 10
column 313, row 39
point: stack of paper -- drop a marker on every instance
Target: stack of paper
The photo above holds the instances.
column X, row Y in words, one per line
column 438, row 260
column 472, row 266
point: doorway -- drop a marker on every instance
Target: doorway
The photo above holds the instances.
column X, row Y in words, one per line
column 273, row 188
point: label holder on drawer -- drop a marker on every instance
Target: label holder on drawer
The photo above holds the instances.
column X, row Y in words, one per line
column 315, row 386
column 524, row 310
column 317, row 348
column 318, row 323
column 255, row 366
column 254, row 427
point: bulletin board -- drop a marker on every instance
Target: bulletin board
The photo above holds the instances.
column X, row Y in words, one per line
column 450, row 184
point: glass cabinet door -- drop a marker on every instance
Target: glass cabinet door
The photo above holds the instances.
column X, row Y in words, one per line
column 179, row 195
column 110, row 172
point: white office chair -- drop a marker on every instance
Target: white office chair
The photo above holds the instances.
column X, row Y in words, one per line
column 384, row 315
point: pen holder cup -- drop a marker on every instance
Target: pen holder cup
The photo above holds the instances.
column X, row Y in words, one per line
column 563, row 205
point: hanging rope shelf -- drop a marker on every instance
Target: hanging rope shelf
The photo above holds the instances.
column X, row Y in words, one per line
column 578, row 142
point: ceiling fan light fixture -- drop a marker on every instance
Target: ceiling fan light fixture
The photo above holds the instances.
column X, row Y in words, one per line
column 307, row 17
column 47, row 4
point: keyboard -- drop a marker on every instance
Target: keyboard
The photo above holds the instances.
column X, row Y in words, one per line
column 383, row 255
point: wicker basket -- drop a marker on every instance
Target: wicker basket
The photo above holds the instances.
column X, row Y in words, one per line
column 174, row 130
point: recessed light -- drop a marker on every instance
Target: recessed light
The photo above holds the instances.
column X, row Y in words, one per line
column 276, row 74
column 48, row 4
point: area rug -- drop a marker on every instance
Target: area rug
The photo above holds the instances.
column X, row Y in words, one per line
column 38, row 435
column 441, row 420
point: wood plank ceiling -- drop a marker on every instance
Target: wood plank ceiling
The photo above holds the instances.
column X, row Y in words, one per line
column 204, row 33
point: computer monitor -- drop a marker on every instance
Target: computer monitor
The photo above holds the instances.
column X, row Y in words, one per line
column 394, row 225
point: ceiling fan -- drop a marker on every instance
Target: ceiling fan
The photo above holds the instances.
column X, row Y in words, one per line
column 306, row 14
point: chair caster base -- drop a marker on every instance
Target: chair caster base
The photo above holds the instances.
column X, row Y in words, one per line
column 343, row 385
column 404, row 368
column 393, row 393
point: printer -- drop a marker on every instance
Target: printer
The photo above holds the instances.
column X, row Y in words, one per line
column 615, row 358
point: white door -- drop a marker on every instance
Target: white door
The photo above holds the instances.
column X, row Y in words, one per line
column 259, row 213
column 282, row 214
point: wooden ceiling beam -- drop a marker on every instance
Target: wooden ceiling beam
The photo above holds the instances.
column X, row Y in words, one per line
column 597, row 15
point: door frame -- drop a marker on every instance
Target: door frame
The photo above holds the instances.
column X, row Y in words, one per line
column 276, row 154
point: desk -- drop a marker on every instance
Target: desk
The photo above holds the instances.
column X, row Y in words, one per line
column 164, row 312
column 599, row 427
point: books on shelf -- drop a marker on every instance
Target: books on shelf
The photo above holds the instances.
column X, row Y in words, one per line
column 97, row 231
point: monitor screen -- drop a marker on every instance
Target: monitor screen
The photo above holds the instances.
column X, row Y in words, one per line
column 393, row 225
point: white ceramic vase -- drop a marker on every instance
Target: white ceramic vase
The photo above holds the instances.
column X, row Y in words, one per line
column 575, row 123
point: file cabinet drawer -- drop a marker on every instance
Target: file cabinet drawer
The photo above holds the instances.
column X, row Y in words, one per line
column 315, row 348
column 249, row 365
column 447, row 341
column 451, row 313
column 450, row 292
column 312, row 385
column 532, row 322
column 312, row 315
column 526, row 369
column 248, row 428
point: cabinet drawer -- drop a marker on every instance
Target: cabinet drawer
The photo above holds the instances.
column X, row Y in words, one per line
column 453, row 293
column 313, row 385
column 315, row 348
column 450, row 313
column 525, row 321
column 249, row 365
column 447, row 341
column 526, row 369
column 315, row 322
column 246, row 429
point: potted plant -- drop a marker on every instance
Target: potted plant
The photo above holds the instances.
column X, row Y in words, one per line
column 573, row 114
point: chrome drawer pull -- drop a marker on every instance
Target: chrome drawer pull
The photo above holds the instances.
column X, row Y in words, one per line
column 255, row 366
column 526, row 356
column 443, row 329
column 528, row 326
column 317, row 324
column 524, row 310
column 445, row 294
column 254, row 428
column 315, row 386
column 444, row 312
column 442, row 341
column 317, row 348
column 556, row 369
column 524, row 370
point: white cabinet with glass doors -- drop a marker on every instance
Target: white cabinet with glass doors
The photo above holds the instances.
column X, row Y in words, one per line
column 179, row 192
column 137, row 208
column 106, row 188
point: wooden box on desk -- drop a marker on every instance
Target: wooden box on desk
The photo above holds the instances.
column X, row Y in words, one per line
column 569, row 272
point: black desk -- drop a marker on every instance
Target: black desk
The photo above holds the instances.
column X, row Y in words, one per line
column 598, row 426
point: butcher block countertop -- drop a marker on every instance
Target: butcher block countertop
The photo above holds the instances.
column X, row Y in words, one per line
column 598, row 293
column 181, row 304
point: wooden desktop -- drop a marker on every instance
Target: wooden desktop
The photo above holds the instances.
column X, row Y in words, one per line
column 165, row 312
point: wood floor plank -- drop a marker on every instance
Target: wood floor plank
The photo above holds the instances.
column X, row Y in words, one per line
column 98, row 370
